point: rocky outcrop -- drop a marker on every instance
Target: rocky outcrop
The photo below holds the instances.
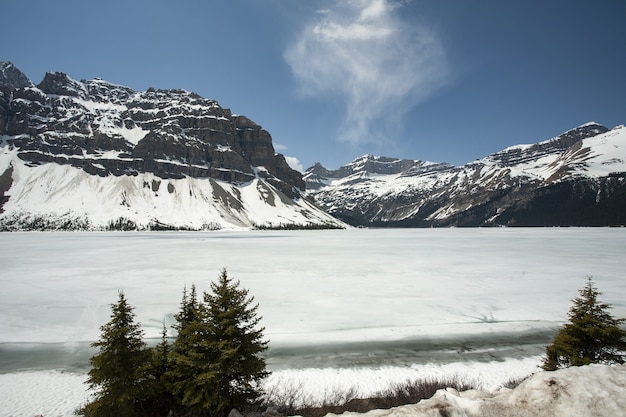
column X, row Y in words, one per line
column 106, row 129
column 575, row 179
column 11, row 77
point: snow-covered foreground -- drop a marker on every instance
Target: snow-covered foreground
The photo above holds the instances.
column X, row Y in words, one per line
column 586, row 391
column 53, row 393
column 574, row 392
column 345, row 308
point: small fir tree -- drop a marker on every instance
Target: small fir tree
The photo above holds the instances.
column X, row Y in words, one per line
column 160, row 355
column 591, row 336
column 188, row 309
column 160, row 401
column 119, row 373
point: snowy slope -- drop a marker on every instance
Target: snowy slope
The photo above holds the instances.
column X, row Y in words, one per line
column 63, row 193
column 591, row 157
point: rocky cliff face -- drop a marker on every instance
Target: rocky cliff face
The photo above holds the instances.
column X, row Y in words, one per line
column 110, row 131
column 577, row 178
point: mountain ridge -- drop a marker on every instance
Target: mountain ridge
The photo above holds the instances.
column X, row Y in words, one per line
column 574, row 179
column 90, row 154
column 154, row 158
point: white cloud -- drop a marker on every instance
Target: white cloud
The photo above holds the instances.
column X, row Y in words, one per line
column 378, row 63
column 294, row 163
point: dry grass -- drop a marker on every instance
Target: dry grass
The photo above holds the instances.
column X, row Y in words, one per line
column 293, row 402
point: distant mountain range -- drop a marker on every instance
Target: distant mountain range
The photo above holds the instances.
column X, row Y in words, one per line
column 94, row 155
column 91, row 155
column 575, row 179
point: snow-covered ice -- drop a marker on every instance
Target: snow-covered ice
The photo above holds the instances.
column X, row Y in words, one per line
column 46, row 393
column 356, row 307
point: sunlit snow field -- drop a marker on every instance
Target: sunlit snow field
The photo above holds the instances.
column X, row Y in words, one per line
column 341, row 308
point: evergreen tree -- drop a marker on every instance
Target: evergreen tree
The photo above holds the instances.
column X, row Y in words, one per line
column 215, row 364
column 160, row 401
column 186, row 349
column 188, row 309
column 118, row 372
column 592, row 335
column 236, row 342
column 160, row 356
column 187, row 376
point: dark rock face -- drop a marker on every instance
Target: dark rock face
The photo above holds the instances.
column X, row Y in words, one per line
column 106, row 129
column 6, row 180
column 11, row 77
column 537, row 185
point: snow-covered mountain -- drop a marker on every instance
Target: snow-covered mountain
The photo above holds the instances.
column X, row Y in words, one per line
column 577, row 178
column 94, row 155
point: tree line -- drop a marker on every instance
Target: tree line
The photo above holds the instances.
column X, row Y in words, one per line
column 213, row 365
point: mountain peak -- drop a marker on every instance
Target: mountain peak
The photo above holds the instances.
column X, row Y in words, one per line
column 12, row 77
column 587, row 130
column 60, row 84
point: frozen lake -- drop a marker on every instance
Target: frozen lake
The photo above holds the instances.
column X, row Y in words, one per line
column 333, row 299
column 313, row 287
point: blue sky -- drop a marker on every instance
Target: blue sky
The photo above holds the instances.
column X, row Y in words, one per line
column 444, row 81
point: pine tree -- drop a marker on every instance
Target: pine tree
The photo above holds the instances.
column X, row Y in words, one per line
column 592, row 335
column 188, row 309
column 187, row 378
column 236, row 342
column 160, row 356
column 118, row 372
column 160, row 400
column 215, row 361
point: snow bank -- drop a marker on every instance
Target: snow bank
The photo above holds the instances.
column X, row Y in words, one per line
column 594, row 390
column 319, row 384
column 54, row 393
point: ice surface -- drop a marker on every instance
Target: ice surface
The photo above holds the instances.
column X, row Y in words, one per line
column 321, row 286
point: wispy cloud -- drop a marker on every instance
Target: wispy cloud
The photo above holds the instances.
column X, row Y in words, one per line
column 367, row 54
